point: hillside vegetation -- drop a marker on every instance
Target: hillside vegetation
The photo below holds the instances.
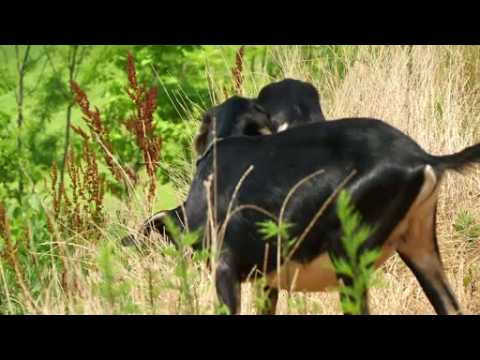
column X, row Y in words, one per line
column 93, row 140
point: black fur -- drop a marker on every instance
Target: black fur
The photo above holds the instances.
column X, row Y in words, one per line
column 291, row 102
column 389, row 169
column 237, row 116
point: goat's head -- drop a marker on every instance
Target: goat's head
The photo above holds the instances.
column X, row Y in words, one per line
column 236, row 116
column 290, row 103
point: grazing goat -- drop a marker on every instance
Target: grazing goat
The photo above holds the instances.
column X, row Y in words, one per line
column 236, row 116
column 286, row 103
column 394, row 185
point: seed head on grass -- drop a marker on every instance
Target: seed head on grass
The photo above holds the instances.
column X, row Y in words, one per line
column 99, row 132
column 141, row 123
column 237, row 71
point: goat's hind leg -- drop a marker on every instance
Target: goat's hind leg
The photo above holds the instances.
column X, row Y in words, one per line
column 420, row 253
column 419, row 249
column 404, row 187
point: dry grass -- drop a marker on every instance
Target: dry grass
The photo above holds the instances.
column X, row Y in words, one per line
column 429, row 92
column 424, row 92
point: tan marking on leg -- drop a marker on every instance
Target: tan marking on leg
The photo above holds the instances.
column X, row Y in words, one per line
column 265, row 131
column 398, row 234
column 317, row 275
column 419, row 245
column 283, row 127
column 413, row 237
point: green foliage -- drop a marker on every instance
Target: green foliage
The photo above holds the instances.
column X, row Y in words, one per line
column 261, row 297
column 8, row 157
column 298, row 302
column 184, row 75
column 271, row 229
column 358, row 263
column 336, row 59
column 111, row 287
column 221, row 309
column 36, row 254
column 467, row 226
column 184, row 272
column 190, row 79
column 470, row 275
column 7, row 79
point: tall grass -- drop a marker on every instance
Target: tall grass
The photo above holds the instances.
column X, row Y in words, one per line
column 429, row 92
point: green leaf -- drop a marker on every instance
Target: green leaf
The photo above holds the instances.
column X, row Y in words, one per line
column 343, row 267
column 368, row 258
column 357, row 265
column 170, row 251
column 191, row 238
column 270, row 229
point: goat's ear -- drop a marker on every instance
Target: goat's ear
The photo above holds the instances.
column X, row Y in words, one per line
column 202, row 137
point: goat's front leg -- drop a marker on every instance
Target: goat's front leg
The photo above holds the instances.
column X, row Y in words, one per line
column 227, row 283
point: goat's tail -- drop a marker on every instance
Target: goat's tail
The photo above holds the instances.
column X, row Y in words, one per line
column 459, row 161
